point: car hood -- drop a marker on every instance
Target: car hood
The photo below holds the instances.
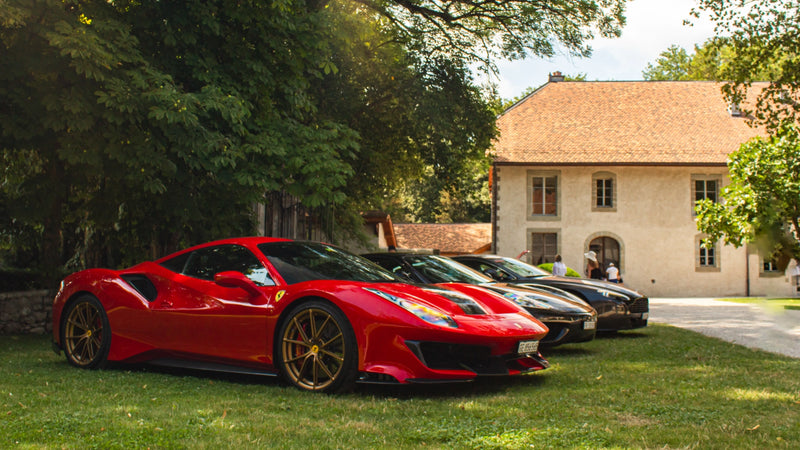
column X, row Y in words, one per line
column 537, row 299
column 452, row 301
column 598, row 284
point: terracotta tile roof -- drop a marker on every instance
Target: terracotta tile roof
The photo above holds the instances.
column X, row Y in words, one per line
column 622, row 122
column 448, row 238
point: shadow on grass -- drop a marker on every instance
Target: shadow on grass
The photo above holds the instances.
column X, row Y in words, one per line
column 478, row 387
column 483, row 386
column 567, row 350
column 620, row 335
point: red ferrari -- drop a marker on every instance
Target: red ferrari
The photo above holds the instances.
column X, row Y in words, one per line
column 322, row 318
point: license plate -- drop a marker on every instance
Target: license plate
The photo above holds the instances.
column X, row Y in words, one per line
column 590, row 325
column 528, row 347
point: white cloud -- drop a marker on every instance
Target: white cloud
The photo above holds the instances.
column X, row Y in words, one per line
column 652, row 26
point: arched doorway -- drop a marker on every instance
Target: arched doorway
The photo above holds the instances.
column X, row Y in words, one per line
column 607, row 250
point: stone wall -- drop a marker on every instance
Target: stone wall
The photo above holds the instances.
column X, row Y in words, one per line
column 27, row 312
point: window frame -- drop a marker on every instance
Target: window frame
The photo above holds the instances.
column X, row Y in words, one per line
column 543, row 231
column 543, row 174
column 261, row 277
column 763, row 272
column 716, row 178
column 612, row 179
column 701, row 253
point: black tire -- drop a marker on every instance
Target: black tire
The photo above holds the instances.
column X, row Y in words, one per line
column 85, row 333
column 316, row 348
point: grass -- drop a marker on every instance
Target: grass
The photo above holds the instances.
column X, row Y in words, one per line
column 659, row 387
column 771, row 303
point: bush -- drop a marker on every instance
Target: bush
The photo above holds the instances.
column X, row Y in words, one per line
column 549, row 267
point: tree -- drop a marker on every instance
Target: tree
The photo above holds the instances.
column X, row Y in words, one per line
column 764, row 41
column 672, row 64
column 130, row 129
column 762, row 202
column 420, row 121
column 146, row 122
column 708, row 62
column 483, row 30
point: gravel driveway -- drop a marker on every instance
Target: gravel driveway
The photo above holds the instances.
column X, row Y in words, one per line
column 752, row 325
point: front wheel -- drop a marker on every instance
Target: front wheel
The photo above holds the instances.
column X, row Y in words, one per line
column 86, row 335
column 317, row 348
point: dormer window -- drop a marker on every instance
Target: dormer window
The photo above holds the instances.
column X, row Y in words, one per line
column 734, row 110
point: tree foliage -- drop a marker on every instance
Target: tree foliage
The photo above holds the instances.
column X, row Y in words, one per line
column 150, row 127
column 710, row 61
column 762, row 202
column 673, row 63
column 422, row 121
column 764, row 42
column 129, row 129
column 483, row 30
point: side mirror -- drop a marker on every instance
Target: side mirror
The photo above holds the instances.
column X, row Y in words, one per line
column 233, row 279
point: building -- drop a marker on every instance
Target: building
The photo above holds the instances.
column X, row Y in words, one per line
column 444, row 238
column 616, row 168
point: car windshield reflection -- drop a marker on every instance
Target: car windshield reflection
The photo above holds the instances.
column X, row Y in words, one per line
column 520, row 268
column 305, row 261
column 443, row 270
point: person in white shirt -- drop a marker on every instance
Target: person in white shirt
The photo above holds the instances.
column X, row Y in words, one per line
column 559, row 268
column 612, row 273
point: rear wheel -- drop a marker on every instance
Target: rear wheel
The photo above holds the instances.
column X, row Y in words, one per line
column 86, row 335
column 317, row 348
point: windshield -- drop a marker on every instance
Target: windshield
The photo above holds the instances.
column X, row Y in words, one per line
column 438, row 269
column 304, row 261
column 520, row 268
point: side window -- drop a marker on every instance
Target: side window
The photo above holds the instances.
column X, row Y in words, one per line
column 207, row 262
column 494, row 272
column 178, row 263
column 604, row 192
column 705, row 187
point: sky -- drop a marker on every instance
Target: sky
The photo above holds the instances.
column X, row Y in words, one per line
column 652, row 26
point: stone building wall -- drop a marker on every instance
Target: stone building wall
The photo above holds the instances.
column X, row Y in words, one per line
column 27, row 312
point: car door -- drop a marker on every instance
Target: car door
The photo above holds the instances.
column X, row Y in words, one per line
column 199, row 317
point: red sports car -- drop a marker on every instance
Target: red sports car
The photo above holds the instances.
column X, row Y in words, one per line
column 322, row 318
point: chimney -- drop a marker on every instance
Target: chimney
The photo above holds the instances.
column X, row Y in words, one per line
column 556, row 77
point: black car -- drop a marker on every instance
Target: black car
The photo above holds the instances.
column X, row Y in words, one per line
column 568, row 318
column 618, row 308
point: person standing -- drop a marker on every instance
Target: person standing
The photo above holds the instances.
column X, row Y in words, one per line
column 613, row 273
column 559, row 268
column 592, row 266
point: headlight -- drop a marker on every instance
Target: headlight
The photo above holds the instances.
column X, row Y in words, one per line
column 465, row 302
column 423, row 312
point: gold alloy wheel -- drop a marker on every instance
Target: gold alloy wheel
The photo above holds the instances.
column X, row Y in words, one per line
column 313, row 349
column 83, row 333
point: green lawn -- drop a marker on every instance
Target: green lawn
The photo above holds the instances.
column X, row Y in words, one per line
column 661, row 387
